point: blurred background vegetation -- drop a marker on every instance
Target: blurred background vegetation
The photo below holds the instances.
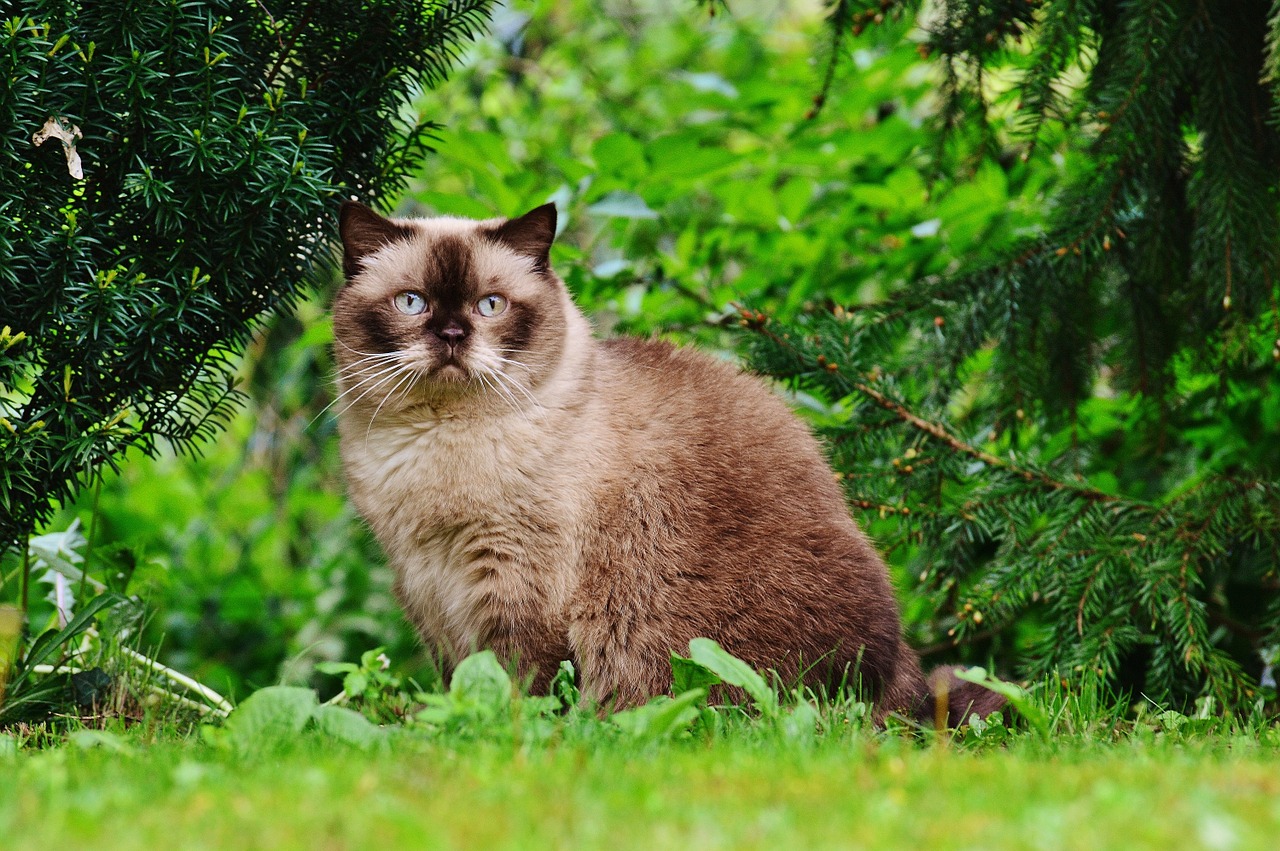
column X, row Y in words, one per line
column 679, row 149
column 702, row 158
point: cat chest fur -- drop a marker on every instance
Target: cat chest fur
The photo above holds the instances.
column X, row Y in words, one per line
column 463, row 509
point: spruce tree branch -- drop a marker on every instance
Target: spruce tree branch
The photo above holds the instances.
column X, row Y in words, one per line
column 938, row 432
column 838, row 23
column 1174, row 44
column 1084, row 596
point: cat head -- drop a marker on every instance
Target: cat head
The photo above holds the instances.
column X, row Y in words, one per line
column 444, row 310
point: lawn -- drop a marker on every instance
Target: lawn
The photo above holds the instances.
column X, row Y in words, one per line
column 867, row 790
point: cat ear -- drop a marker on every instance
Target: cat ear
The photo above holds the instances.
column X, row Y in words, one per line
column 363, row 232
column 530, row 235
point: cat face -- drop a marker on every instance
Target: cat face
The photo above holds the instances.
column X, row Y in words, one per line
column 440, row 310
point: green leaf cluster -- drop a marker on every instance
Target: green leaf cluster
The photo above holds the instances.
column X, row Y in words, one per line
column 272, row 716
column 692, row 171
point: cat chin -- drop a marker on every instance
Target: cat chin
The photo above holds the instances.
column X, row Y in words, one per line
column 450, row 373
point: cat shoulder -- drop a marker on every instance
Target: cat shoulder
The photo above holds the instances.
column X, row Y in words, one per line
column 686, row 362
column 685, row 382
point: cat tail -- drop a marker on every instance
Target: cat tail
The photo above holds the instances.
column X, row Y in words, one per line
column 939, row 700
column 949, row 701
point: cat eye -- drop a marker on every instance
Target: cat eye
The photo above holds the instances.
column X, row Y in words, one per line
column 491, row 305
column 410, row 303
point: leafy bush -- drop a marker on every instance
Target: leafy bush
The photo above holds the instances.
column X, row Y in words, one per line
column 193, row 154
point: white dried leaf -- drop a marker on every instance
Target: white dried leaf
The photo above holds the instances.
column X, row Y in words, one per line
column 54, row 128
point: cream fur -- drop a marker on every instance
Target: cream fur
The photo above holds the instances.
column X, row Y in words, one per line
column 443, row 482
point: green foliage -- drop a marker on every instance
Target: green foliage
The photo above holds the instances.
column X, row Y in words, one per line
column 1020, row 702
column 370, row 685
column 29, row 697
column 691, row 171
column 486, row 764
column 480, row 690
column 735, row 672
column 1085, row 471
column 273, row 715
column 198, row 150
column 1070, row 431
column 83, row 664
column 250, row 556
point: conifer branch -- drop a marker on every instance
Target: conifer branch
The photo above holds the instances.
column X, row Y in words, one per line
column 820, row 365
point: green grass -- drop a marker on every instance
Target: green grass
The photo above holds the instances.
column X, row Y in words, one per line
column 484, row 766
column 868, row 790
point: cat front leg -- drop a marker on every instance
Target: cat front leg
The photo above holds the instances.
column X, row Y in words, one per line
column 623, row 654
column 533, row 645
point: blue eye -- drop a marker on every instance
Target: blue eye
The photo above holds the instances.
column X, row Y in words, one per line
column 491, row 305
column 410, row 303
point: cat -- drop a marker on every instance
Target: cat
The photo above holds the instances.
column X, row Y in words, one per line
column 552, row 496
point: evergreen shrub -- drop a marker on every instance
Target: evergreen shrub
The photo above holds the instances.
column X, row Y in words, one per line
column 1073, row 440
column 195, row 153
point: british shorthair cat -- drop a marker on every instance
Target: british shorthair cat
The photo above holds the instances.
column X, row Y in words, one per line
column 553, row 496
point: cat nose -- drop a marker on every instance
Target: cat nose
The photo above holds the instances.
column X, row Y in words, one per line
column 451, row 333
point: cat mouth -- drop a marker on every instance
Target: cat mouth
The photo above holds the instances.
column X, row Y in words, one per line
column 450, row 370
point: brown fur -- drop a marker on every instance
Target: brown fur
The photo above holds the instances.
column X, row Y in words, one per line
column 599, row 501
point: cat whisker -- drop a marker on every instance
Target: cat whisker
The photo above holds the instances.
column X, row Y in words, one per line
column 383, row 378
column 508, row 385
column 511, row 362
column 369, row 373
column 512, row 382
column 372, row 374
column 407, row 380
column 366, row 363
column 367, row 354
column 492, row 387
column 366, row 368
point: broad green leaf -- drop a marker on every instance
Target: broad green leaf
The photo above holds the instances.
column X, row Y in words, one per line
column 355, row 682
column 622, row 205
column 687, row 674
column 481, row 681
column 685, row 155
column 662, row 717
column 336, row 667
column 270, row 714
column 801, row 723
column 347, row 725
column 734, row 671
column 619, row 154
